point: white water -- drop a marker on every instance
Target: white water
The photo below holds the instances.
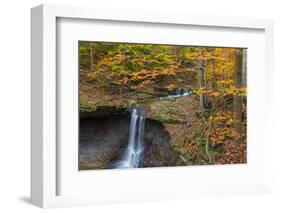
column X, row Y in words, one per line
column 180, row 92
column 133, row 153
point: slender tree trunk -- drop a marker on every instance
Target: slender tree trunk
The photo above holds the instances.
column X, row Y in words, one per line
column 201, row 81
column 91, row 56
column 244, row 80
column 244, row 71
column 214, row 80
column 237, row 100
column 223, row 50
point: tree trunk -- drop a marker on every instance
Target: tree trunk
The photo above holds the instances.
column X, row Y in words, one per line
column 201, row 81
column 214, row 80
column 237, row 100
column 91, row 56
column 244, row 71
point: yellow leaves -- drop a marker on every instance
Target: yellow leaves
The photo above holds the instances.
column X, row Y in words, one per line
column 243, row 92
column 225, row 83
column 191, row 55
column 230, row 121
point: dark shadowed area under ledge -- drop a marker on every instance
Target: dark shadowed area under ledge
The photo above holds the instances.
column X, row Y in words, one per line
column 103, row 139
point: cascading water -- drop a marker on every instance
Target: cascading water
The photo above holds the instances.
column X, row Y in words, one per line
column 133, row 153
column 179, row 92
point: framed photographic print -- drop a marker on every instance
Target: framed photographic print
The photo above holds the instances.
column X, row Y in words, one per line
column 131, row 105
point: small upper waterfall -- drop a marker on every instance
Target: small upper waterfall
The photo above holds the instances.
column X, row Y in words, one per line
column 133, row 153
column 178, row 92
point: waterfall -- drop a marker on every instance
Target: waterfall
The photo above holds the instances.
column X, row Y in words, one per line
column 179, row 92
column 133, row 153
column 182, row 92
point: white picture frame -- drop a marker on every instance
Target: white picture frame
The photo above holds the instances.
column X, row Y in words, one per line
column 45, row 174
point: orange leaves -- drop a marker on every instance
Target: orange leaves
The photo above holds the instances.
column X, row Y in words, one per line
column 205, row 90
column 232, row 90
column 222, row 127
column 221, row 134
column 146, row 77
column 202, row 90
column 215, row 94
column 222, row 117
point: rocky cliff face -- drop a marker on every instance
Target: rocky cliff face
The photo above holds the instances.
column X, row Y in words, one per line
column 159, row 151
column 102, row 140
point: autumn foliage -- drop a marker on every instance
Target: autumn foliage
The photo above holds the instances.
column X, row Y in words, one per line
column 216, row 130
